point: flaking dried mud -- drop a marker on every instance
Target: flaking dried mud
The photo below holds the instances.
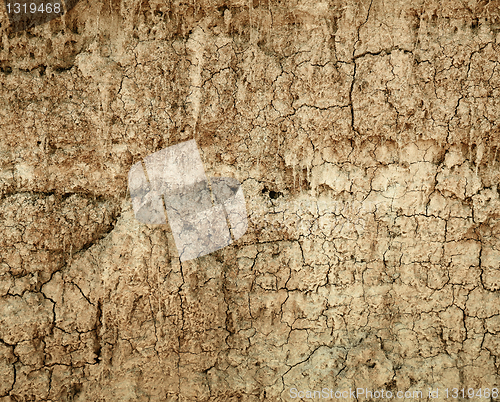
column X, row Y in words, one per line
column 365, row 135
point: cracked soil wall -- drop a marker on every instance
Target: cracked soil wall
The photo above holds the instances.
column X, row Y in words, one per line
column 365, row 136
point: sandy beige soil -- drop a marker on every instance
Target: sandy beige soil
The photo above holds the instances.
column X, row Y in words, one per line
column 365, row 136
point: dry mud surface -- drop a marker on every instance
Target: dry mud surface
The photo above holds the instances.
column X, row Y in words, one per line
column 365, row 135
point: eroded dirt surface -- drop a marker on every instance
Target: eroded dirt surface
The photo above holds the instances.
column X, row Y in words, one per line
column 365, row 135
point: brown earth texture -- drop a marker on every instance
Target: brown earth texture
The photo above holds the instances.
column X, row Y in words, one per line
column 366, row 137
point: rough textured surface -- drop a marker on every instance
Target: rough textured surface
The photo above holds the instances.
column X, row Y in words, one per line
column 365, row 135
